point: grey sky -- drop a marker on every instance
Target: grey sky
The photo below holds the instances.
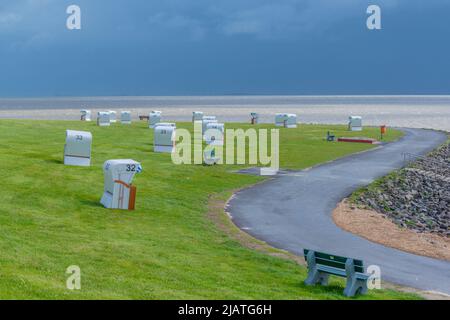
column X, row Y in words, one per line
column 166, row 47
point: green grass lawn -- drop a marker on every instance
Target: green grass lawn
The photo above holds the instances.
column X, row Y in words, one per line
column 51, row 218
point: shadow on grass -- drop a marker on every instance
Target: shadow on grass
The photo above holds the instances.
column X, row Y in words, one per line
column 55, row 161
column 92, row 203
column 144, row 147
column 332, row 289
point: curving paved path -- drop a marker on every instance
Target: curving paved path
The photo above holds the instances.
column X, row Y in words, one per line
column 293, row 211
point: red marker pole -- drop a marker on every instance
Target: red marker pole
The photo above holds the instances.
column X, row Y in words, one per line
column 382, row 131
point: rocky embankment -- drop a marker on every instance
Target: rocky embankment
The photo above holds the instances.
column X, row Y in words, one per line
column 417, row 197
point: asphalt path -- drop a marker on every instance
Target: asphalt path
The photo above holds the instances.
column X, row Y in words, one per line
column 294, row 211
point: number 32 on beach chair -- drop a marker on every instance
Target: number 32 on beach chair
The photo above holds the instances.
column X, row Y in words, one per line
column 119, row 193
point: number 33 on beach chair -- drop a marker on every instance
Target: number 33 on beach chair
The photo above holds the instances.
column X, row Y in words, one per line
column 119, row 193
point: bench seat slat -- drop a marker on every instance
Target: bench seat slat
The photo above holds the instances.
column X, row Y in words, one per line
column 330, row 263
column 340, row 272
column 335, row 261
column 331, row 270
column 332, row 257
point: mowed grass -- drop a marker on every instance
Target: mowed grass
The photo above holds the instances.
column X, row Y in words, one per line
column 51, row 218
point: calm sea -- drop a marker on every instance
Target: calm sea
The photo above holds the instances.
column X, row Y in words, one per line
column 217, row 101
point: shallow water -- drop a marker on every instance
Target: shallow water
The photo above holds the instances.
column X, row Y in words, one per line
column 405, row 111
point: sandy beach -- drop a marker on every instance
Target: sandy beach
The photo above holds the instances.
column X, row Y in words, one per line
column 402, row 111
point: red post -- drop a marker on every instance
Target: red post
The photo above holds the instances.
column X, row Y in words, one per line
column 132, row 199
column 383, row 131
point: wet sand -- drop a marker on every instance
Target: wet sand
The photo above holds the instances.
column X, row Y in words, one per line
column 423, row 112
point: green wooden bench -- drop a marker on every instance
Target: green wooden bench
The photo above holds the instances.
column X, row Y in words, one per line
column 321, row 265
column 330, row 137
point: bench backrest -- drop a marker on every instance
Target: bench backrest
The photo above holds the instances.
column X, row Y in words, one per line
column 334, row 261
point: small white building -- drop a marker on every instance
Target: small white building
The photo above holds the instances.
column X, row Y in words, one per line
column 280, row 118
column 164, row 138
column 103, row 119
column 85, row 115
column 153, row 118
column 291, row 121
column 287, row 120
column 214, row 133
column 254, row 118
column 209, row 157
column 119, row 193
column 112, row 116
column 355, row 123
column 206, row 120
column 77, row 150
column 197, row 116
column 125, row 117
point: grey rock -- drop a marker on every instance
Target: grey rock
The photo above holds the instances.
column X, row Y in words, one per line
column 417, row 199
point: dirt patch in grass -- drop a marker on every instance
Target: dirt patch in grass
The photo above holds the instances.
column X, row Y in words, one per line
column 372, row 226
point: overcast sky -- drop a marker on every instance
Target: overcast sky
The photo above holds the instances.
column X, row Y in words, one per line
column 215, row 47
